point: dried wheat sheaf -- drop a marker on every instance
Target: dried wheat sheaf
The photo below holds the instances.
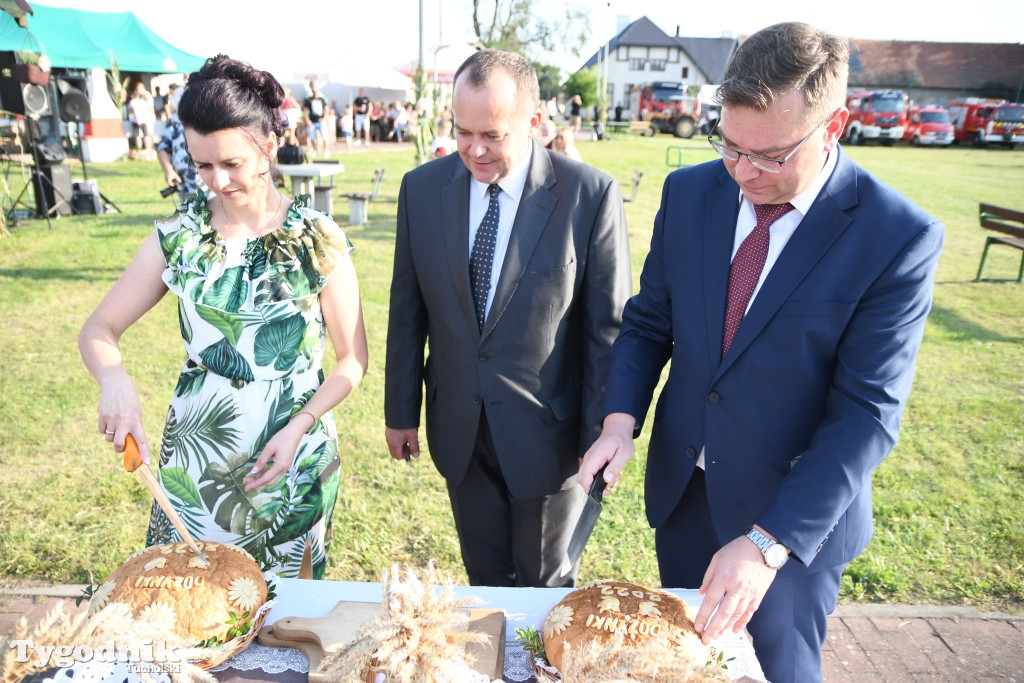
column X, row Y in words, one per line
column 657, row 661
column 112, row 623
column 420, row 637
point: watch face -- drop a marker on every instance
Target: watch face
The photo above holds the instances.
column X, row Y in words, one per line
column 776, row 556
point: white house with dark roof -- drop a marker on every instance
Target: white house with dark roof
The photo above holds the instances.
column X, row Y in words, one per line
column 641, row 52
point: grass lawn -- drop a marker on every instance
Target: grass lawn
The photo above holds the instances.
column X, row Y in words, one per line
column 947, row 503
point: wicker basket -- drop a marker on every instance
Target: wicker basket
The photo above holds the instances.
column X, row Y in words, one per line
column 235, row 645
column 544, row 672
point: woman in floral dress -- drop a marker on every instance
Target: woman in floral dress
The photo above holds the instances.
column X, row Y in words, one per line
column 249, row 453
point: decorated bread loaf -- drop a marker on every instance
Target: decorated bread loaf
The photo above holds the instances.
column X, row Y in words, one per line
column 171, row 584
column 599, row 610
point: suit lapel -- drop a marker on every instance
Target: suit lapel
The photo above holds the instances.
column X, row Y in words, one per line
column 454, row 214
column 824, row 223
column 535, row 209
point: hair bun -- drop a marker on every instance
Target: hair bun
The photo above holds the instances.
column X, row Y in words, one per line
column 262, row 83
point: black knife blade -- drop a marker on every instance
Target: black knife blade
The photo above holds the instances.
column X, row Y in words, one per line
column 592, row 507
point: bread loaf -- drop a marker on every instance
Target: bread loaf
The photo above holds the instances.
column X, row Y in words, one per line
column 596, row 611
column 171, row 584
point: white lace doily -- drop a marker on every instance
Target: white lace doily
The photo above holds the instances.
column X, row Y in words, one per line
column 518, row 665
column 272, row 660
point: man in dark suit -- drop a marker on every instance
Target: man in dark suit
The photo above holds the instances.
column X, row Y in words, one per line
column 512, row 263
column 792, row 353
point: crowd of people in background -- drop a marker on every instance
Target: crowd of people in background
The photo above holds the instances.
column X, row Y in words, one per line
column 312, row 123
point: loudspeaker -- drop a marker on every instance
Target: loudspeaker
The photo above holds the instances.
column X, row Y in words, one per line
column 56, row 188
column 36, row 101
column 74, row 107
column 50, row 153
column 86, row 197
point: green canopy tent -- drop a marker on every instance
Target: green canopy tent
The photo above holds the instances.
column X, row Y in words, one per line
column 76, row 39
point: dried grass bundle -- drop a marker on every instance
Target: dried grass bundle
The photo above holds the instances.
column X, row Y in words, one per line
column 420, row 638
column 657, row 661
column 112, row 623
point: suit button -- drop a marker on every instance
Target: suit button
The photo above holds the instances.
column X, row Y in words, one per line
column 476, row 400
column 714, row 397
column 691, row 452
column 482, row 357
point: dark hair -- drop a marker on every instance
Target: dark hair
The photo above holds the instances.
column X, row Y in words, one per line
column 227, row 93
column 782, row 58
column 481, row 64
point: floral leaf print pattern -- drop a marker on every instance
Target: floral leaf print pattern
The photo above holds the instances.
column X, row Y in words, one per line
column 184, row 324
column 223, row 359
column 254, row 336
column 205, row 429
column 180, row 485
column 228, row 325
column 278, row 343
column 223, row 493
column 229, row 292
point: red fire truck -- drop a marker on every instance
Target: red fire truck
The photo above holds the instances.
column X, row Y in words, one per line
column 1006, row 126
column 928, row 125
column 875, row 115
column 667, row 107
column 971, row 116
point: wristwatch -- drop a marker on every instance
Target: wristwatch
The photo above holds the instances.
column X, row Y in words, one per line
column 775, row 554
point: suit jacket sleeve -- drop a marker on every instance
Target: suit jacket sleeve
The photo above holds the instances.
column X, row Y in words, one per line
column 407, row 332
column 869, row 390
column 644, row 344
column 607, row 285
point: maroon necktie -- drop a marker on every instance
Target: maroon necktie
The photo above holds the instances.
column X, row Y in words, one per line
column 747, row 266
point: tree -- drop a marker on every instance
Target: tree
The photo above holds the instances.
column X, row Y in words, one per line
column 550, row 79
column 584, row 84
column 517, row 25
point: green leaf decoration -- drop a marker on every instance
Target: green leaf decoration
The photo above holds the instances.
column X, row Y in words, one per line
column 202, row 432
column 223, row 492
column 277, row 343
column 180, row 485
column 190, row 382
column 279, row 412
column 225, row 360
column 257, row 261
column 225, row 323
column 316, row 503
column 229, row 291
column 312, row 339
column 183, row 322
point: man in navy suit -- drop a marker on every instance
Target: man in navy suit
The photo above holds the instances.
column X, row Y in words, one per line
column 765, row 436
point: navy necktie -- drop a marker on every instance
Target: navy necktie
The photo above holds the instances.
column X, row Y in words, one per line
column 747, row 266
column 482, row 257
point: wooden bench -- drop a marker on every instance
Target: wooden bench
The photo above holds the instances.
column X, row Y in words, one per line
column 1008, row 222
column 637, row 174
column 642, row 127
column 357, row 201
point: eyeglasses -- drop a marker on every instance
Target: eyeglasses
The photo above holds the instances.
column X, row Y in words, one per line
column 766, row 164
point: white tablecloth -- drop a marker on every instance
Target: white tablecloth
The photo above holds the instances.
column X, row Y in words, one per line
column 523, row 607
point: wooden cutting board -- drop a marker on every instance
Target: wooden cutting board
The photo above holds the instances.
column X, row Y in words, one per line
column 321, row 636
column 314, row 653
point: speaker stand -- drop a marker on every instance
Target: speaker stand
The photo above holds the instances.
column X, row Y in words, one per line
column 40, row 179
column 10, row 212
